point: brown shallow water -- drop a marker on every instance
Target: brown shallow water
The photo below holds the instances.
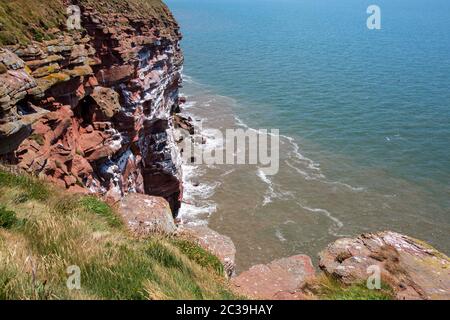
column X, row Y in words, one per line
column 301, row 209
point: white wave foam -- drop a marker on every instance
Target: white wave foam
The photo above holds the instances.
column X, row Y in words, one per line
column 187, row 79
column 213, row 142
column 312, row 165
column 270, row 193
column 189, row 104
column 322, row 179
column 303, row 173
column 337, row 224
column 196, row 203
column 189, row 211
column 240, row 123
column 280, row 235
column 227, row 172
column 296, row 152
column 264, row 177
column 356, row 189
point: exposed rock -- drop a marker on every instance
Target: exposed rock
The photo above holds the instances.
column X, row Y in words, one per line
column 278, row 280
column 414, row 269
column 110, row 91
column 107, row 104
column 15, row 82
column 12, row 134
column 199, row 139
column 184, row 123
column 145, row 215
column 195, row 182
column 219, row 245
column 182, row 100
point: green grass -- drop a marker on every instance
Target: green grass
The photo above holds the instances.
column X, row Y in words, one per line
column 199, row 255
column 100, row 208
column 358, row 292
column 31, row 189
column 327, row 288
column 7, row 218
column 24, row 20
column 62, row 230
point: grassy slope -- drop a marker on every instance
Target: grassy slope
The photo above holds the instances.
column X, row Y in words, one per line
column 327, row 288
column 43, row 231
column 25, row 20
column 22, row 20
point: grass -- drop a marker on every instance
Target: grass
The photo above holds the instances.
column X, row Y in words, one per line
column 327, row 288
column 24, row 20
column 31, row 189
column 60, row 230
column 100, row 208
column 199, row 255
column 44, row 231
column 7, row 218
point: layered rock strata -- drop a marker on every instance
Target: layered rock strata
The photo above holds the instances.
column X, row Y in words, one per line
column 92, row 110
column 412, row 268
column 146, row 215
column 279, row 280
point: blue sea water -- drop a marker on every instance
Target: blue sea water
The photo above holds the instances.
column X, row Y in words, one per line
column 358, row 100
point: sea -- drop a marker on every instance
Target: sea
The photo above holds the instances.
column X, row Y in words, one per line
column 363, row 118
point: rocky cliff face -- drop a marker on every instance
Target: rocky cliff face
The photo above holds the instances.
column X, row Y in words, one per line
column 92, row 109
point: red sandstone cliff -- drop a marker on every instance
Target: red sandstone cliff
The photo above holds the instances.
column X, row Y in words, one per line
column 92, row 109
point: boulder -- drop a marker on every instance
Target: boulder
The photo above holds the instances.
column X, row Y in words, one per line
column 278, row 280
column 412, row 268
column 107, row 101
column 12, row 134
column 145, row 215
column 184, row 123
column 15, row 81
column 219, row 245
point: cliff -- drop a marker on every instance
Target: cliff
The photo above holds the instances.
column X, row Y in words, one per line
column 91, row 109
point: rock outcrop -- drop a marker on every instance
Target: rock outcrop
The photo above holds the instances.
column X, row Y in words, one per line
column 92, row 109
column 146, row 215
column 412, row 268
column 278, row 280
column 219, row 245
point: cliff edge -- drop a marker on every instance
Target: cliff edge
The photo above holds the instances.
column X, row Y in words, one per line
column 90, row 109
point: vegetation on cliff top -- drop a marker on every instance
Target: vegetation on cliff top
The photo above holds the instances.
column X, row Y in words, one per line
column 24, row 20
column 43, row 231
column 327, row 288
